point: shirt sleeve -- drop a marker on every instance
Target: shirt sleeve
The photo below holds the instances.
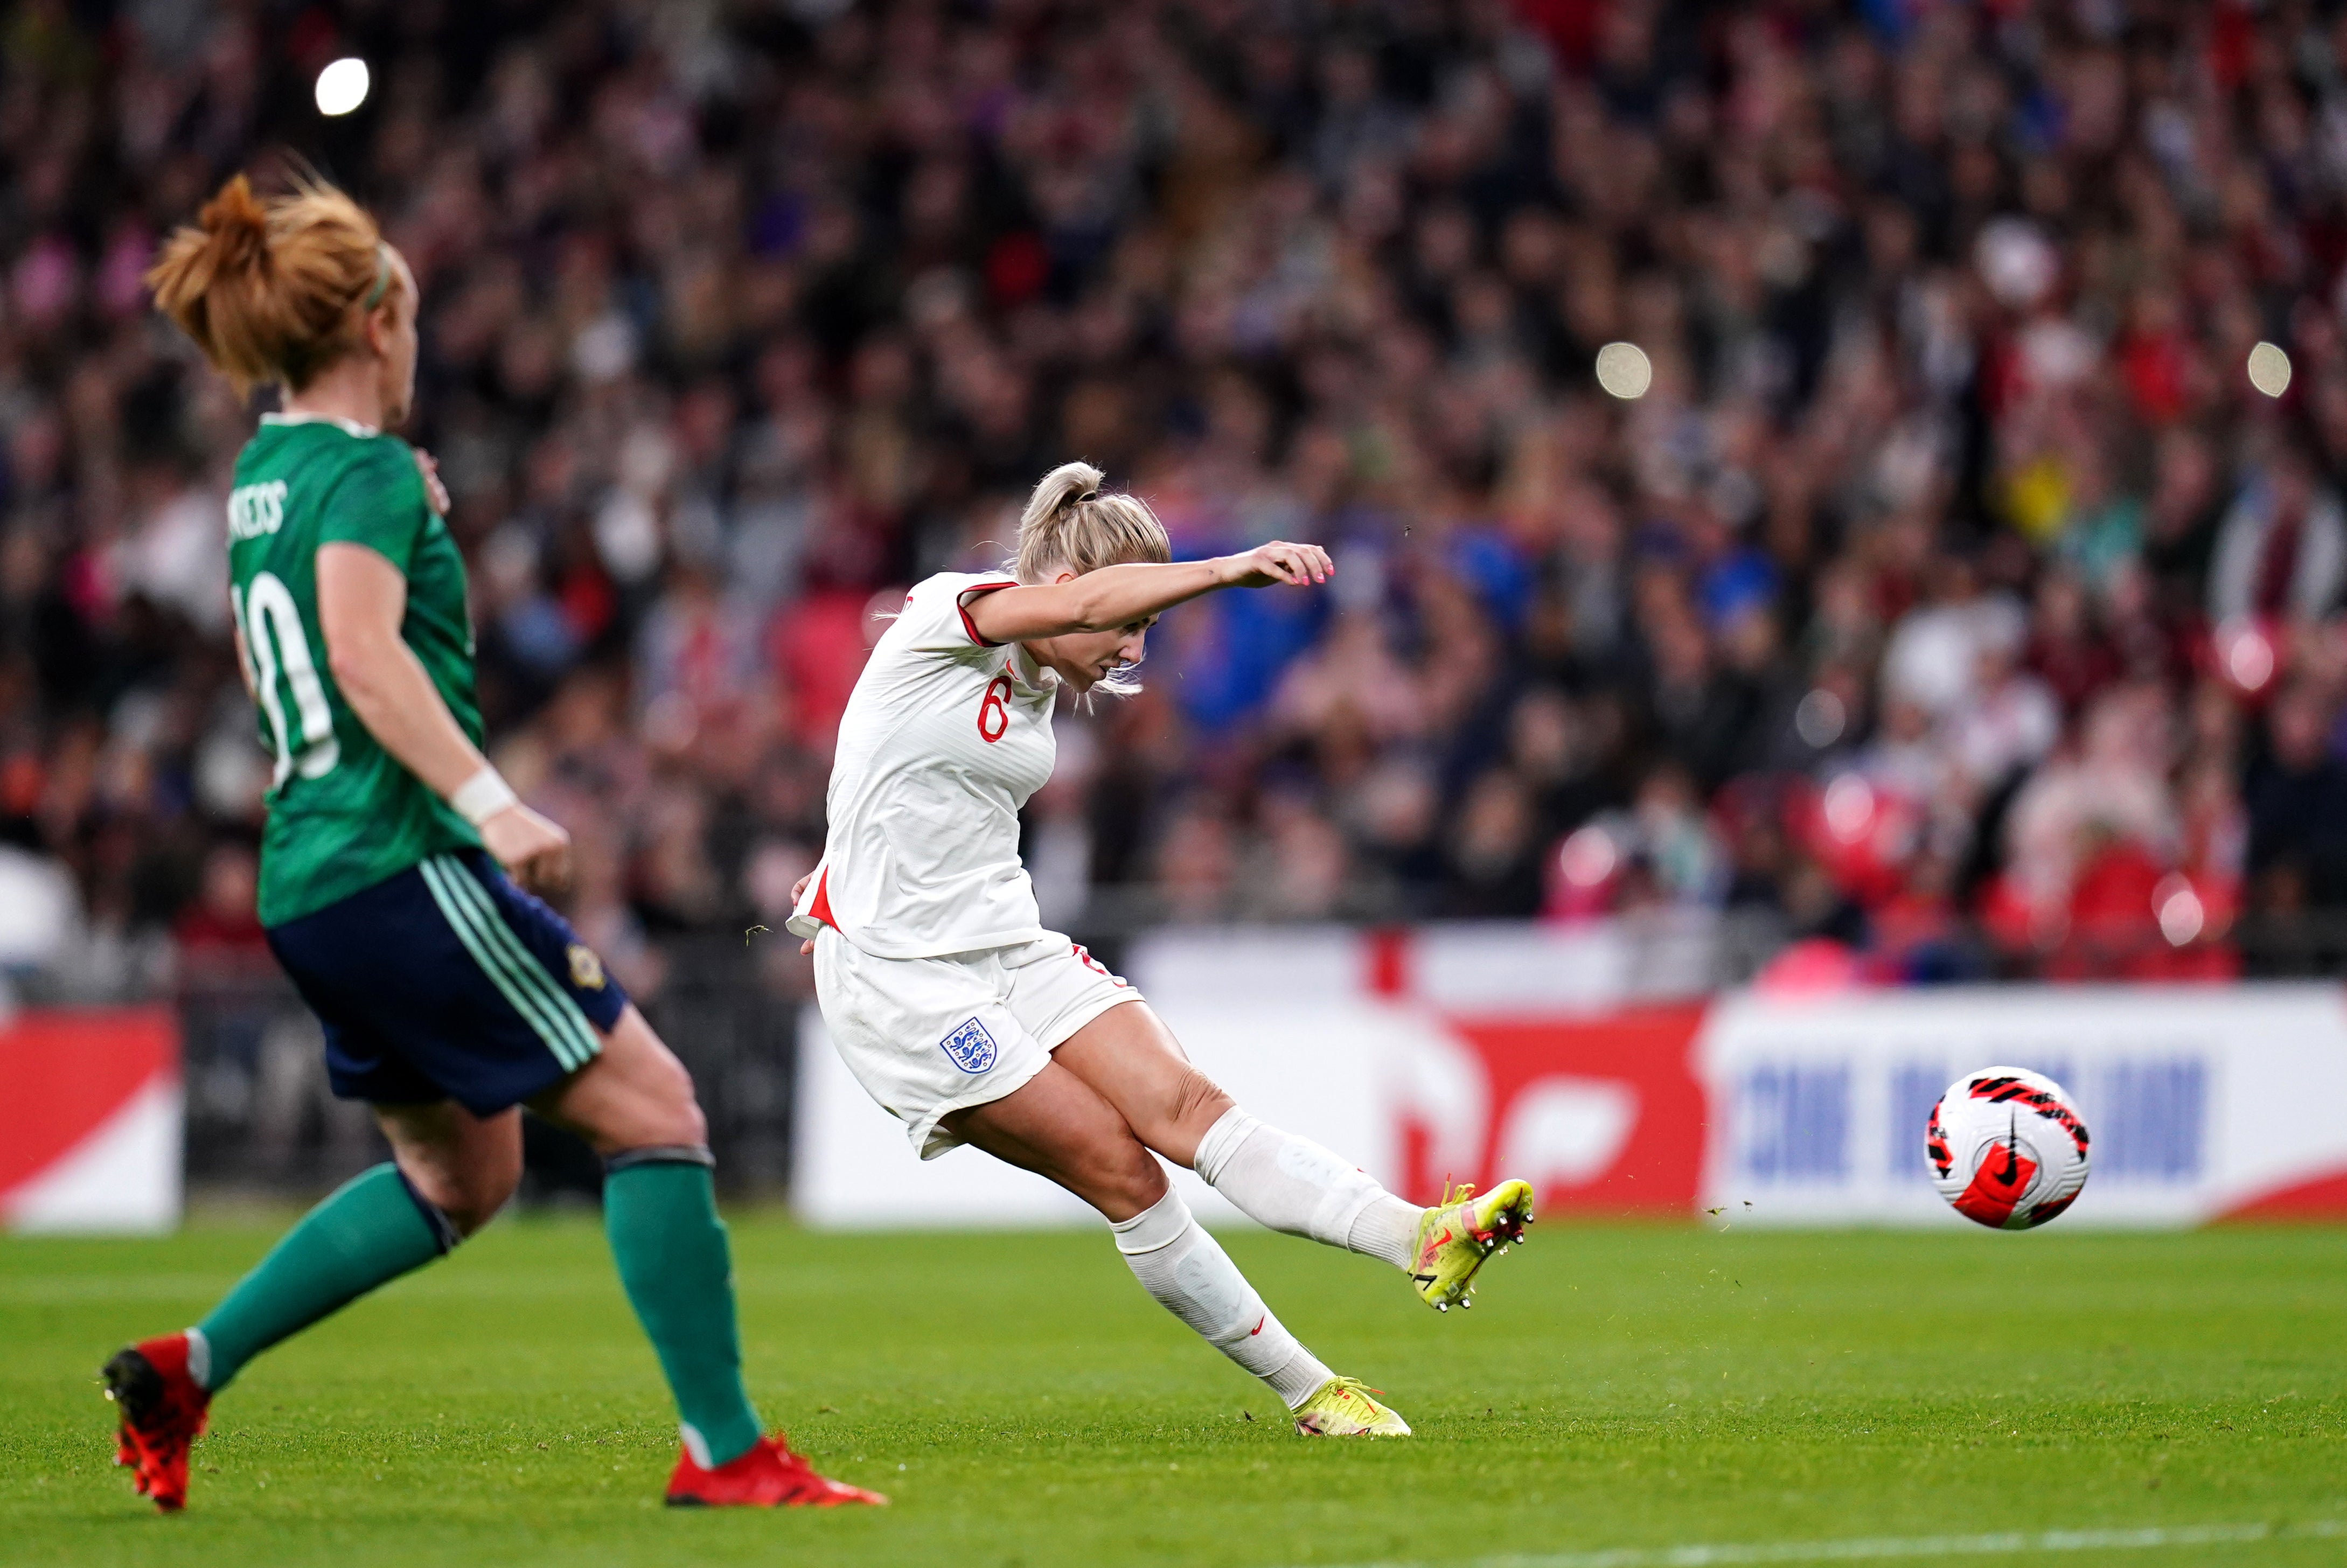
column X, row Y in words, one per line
column 936, row 612
column 378, row 502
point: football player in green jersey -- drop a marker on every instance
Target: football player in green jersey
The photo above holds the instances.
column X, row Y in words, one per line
column 397, row 867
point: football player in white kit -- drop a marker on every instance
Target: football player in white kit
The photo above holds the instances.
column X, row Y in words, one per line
column 967, row 1020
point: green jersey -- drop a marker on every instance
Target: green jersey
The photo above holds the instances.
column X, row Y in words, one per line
column 342, row 813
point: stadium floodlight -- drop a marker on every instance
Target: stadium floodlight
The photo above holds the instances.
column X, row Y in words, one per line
column 2270, row 369
column 343, row 86
column 1625, row 370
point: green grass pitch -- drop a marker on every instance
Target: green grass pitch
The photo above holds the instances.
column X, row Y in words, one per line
column 1631, row 1386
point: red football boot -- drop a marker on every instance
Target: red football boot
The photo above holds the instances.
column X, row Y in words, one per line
column 768, row 1476
column 163, row 1411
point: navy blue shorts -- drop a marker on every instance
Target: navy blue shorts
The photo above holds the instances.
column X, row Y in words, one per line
column 447, row 982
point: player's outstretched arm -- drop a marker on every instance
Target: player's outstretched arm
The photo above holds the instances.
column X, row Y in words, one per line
column 1118, row 596
column 362, row 599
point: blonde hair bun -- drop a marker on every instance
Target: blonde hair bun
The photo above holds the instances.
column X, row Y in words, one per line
column 1070, row 524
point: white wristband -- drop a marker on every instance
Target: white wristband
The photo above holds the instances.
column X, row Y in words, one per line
column 482, row 796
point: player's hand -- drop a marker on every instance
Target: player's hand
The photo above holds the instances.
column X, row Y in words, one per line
column 435, row 494
column 1298, row 566
column 798, row 891
column 535, row 852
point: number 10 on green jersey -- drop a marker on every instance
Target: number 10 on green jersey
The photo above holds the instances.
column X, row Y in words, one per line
column 343, row 814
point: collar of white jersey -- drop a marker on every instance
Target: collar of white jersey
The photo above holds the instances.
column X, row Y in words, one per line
column 1033, row 669
column 347, row 426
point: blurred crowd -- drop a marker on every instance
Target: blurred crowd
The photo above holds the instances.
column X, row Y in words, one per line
column 1961, row 589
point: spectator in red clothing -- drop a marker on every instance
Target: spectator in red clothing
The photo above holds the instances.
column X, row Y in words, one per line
column 220, row 929
column 2066, row 649
column 2154, row 355
column 2093, row 819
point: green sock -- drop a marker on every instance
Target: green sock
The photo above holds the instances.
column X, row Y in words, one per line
column 368, row 1232
column 660, row 1210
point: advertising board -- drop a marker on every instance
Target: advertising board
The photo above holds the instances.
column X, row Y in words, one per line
column 91, row 1121
column 1573, row 1057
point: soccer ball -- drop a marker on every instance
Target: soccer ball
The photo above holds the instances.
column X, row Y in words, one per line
column 2006, row 1148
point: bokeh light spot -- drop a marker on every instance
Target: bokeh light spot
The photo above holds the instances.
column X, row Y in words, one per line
column 2270, row 369
column 2178, row 907
column 1821, row 719
column 1625, row 370
column 2248, row 657
column 343, row 86
column 1588, row 858
column 1849, row 808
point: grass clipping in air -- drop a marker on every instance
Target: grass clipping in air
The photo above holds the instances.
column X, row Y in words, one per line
column 1025, row 1403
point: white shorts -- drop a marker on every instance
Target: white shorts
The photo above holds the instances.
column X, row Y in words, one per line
column 929, row 1036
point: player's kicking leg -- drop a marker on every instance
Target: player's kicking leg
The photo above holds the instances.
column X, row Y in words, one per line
column 1059, row 1126
column 1279, row 1180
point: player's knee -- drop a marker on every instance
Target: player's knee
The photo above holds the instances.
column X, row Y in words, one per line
column 644, row 1099
column 669, row 1101
column 477, row 1209
column 689, row 1125
column 469, row 1196
column 1126, row 1179
column 1197, row 1103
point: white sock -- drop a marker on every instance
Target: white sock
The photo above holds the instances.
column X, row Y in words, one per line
column 1293, row 1185
column 1194, row 1279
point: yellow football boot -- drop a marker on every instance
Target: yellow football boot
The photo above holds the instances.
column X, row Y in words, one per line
column 1458, row 1233
column 1342, row 1407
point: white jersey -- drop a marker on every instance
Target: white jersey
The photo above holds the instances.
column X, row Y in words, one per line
column 944, row 738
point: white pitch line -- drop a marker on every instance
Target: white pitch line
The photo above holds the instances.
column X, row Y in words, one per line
column 1865, row 1549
